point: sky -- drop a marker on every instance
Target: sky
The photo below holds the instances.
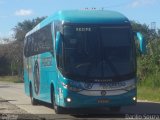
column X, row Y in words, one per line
column 14, row 11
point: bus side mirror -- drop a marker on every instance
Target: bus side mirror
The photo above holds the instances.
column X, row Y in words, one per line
column 141, row 41
column 58, row 43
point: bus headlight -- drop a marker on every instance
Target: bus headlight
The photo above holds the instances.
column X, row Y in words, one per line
column 71, row 88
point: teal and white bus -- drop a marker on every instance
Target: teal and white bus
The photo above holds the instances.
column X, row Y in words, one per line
column 82, row 59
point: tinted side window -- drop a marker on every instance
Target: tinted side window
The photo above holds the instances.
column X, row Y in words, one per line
column 44, row 40
column 25, row 47
column 28, row 46
column 39, row 42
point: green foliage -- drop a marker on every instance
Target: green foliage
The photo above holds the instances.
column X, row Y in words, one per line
column 147, row 93
column 149, row 65
column 12, row 52
column 144, row 29
column 23, row 27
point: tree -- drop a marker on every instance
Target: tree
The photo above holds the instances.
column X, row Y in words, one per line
column 23, row 27
column 149, row 65
column 11, row 53
column 143, row 28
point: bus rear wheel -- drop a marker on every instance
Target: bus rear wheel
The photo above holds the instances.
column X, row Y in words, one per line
column 33, row 100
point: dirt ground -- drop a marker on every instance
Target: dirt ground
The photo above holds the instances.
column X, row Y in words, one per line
column 9, row 111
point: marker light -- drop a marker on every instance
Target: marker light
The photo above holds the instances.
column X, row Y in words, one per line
column 134, row 98
column 69, row 100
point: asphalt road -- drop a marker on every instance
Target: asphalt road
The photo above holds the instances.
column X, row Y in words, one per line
column 13, row 93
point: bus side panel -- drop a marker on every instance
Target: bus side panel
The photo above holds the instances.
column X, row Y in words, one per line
column 43, row 77
column 48, row 75
column 36, row 77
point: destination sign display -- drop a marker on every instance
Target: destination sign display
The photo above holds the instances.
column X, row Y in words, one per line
column 83, row 29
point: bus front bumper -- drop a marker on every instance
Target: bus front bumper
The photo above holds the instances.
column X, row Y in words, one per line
column 75, row 100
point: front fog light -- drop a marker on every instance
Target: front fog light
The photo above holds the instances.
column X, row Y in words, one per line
column 69, row 100
column 134, row 98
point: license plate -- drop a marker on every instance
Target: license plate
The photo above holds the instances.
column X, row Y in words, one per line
column 103, row 101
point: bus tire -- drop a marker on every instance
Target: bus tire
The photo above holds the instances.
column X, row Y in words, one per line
column 58, row 109
column 33, row 100
column 52, row 96
column 115, row 109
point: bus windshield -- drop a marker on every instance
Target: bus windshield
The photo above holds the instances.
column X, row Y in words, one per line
column 97, row 52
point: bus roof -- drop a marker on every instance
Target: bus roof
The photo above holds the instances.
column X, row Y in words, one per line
column 84, row 16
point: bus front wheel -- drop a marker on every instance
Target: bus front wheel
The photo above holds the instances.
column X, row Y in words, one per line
column 58, row 109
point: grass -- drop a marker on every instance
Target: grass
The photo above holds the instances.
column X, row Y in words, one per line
column 13, row 79
column 148, row 93
column 149, row 87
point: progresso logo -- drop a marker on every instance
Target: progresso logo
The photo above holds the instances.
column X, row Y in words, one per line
column 112, row 85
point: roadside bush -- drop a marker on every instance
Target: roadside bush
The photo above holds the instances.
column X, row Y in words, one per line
column 149, row 65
